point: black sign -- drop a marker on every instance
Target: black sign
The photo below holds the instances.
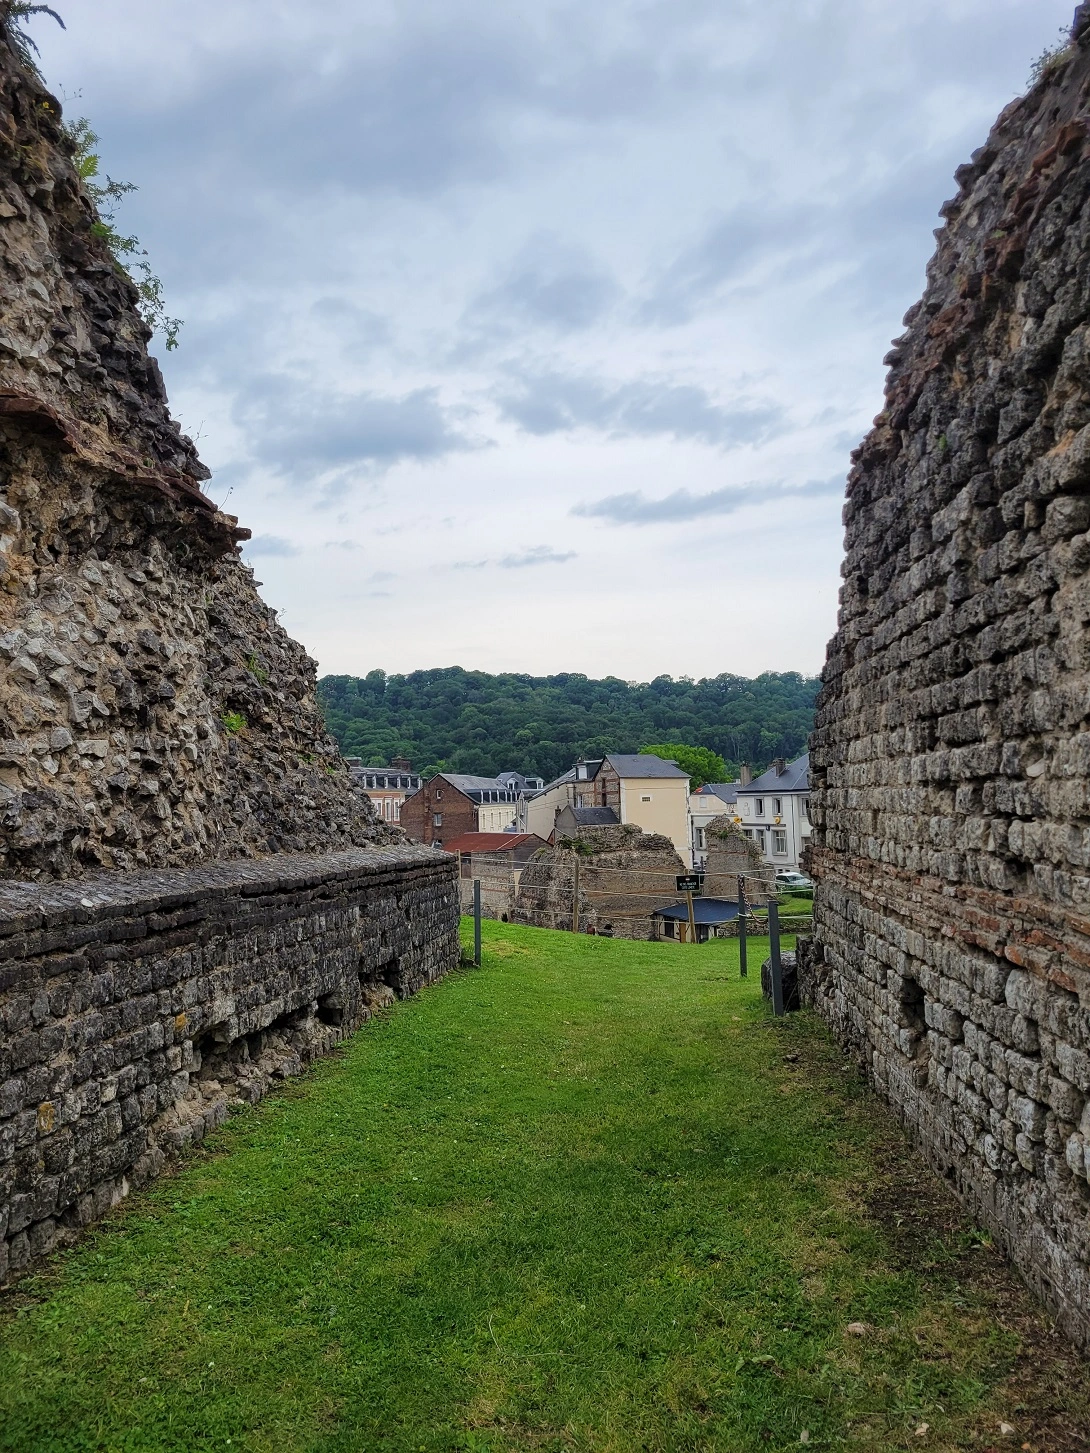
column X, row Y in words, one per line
column 690, row 883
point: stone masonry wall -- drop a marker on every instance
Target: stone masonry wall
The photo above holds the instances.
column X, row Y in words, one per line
column 152, row 709
column 951, row 758
column 136, row 1009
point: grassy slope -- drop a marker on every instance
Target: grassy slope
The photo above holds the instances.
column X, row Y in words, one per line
column 577, row 1199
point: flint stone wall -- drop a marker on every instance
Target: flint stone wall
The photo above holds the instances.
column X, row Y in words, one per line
column 950, row 765
column 138, row 1008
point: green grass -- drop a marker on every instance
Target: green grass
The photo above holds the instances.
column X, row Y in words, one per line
column 576, row 1199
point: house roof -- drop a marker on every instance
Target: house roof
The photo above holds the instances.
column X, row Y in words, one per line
column 473, row 785
column 643, row 764
column 705, row 910
column 491, row 842
column 725, row 791
column 593, row 816
column 795, row 777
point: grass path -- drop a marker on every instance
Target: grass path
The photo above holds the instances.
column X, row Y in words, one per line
column 588, row 1197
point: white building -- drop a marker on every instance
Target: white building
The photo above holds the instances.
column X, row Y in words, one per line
column 774, row 810
column 714, row 799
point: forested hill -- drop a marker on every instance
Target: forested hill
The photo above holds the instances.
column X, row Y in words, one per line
column 468, row 721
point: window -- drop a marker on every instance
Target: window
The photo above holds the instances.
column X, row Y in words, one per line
column 806, row 808
column 647, row 798
column 779, row 841
column 777, row 807
column 699, row 835
column 759, row 807
column 397, row 810
column 668, row 927
column 759, row 839
column 438, row 792
column 437, row 819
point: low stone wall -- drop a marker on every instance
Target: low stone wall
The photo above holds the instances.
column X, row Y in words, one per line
column 137, row 1008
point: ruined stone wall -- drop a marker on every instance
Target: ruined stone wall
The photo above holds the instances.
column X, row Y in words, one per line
column 152, row 710
column 951, row 758
column 623, row 875
column 136, row 1009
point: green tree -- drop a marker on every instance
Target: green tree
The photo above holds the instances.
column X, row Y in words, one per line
column 702, row 764
column 476, row 722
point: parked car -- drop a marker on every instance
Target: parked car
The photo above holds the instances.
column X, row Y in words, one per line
column 789, row 880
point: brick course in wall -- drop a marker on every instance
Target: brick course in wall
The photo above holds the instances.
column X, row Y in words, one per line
column 136, row 1009
column 951, row 758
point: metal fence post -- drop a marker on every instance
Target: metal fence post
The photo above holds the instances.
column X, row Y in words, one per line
column 774, row 947
column 742, row 926
column 575, row 892
column 477, row 922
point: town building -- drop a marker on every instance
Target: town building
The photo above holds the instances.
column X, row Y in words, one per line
column 775, row 812
column 387, row 787
column 453, row 803
column 705, row 805
column 640, row 788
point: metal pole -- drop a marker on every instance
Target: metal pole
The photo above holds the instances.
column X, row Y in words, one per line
column 477, row 922
column 742, row 925
column 575, row 893
column 692, row 916
column 774, row 945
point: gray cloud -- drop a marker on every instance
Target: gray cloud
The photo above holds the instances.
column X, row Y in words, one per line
column 550, row 283
column 295, row 429
column 555, row 403
column 636, row 509
column 536, row 555
column 270, row 545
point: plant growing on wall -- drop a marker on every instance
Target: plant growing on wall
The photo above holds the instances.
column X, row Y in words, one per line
column 126, row 251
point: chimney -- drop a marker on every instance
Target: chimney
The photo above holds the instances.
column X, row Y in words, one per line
column 401, row 764
column 780, row 766
column 745, row 776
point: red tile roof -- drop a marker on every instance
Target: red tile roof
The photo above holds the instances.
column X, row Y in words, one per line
column 490, row 842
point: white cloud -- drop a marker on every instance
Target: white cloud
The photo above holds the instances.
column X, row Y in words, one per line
column 486, row 274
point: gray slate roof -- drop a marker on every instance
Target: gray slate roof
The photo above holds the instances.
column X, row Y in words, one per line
column 726, row 791
column 705, row 910
column 795, row 778
column 640, row 764
column 593, row 816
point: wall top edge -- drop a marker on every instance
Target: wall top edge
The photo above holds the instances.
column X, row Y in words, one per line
column 25, row 906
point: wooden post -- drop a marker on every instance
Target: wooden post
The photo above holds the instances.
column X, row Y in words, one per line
column 692, row 916
column 575, row 892
column 774, row 947
column 742, row 926
column 477, row 922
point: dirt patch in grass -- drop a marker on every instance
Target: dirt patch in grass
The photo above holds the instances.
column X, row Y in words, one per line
column 1046, row 1387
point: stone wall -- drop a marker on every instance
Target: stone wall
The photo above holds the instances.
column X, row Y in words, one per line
column 951, row 757
column 152, row 710
column 137, row 1009
column 623, row 875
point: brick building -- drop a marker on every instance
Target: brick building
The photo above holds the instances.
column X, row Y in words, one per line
column 452, row 804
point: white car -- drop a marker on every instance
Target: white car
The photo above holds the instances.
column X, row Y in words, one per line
column 787, row 879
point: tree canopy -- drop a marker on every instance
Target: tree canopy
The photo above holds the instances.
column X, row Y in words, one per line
column 450, row 719
column 701, row 763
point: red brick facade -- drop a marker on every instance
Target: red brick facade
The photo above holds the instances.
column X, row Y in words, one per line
column 437, row 798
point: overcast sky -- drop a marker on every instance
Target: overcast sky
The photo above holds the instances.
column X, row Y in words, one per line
column 536, row 336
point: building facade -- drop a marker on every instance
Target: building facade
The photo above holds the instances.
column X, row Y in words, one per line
column 774, row 810
column 387, row 787
column 707, row 803
column 453, row 803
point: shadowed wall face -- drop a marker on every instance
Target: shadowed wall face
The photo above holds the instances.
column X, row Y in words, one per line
column 951, row 758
